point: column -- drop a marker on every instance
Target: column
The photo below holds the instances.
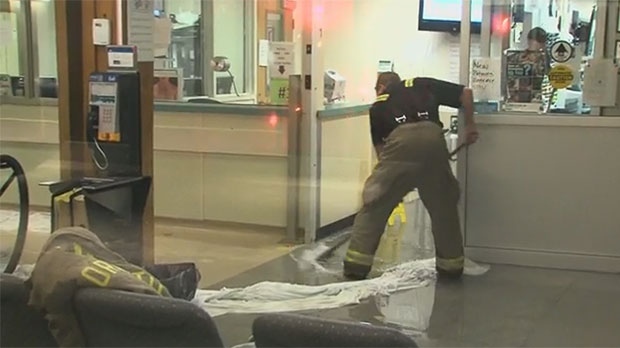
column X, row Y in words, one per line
column 311, row 102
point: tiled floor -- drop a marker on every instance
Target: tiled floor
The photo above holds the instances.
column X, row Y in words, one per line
column 220, row 251
column 507, row 307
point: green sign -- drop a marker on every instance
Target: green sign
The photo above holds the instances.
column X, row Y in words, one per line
column 278, row 89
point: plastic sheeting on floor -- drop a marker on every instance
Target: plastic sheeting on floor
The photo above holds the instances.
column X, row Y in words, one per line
column 272, row 297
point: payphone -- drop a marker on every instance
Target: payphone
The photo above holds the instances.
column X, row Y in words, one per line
column 111, row 202
column 113, row 124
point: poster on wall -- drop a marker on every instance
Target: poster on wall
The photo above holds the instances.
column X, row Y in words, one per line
column 525, row 73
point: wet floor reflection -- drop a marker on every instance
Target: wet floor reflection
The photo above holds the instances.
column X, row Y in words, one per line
column 409, row 311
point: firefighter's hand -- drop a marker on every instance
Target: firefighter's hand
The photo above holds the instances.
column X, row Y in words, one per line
column 471, row 134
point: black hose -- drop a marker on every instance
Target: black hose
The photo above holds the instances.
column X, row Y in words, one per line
column 234, row 84
column 8, row 162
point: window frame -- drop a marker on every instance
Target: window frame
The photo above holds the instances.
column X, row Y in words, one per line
column 28, row 55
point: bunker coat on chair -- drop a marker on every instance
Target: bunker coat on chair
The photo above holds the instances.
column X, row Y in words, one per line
column 74, row 258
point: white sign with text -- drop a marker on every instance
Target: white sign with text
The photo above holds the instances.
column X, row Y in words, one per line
column 485, row 78
column 281, row 60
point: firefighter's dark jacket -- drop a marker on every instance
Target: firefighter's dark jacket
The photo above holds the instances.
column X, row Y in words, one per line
column 75, row 258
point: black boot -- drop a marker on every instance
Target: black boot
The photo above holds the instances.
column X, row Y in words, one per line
column 454, row 274
column 353, row 271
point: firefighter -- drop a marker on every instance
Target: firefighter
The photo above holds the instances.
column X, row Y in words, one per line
column 408, row 137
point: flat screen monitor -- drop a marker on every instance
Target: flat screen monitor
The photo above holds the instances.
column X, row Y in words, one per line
column 445, row 15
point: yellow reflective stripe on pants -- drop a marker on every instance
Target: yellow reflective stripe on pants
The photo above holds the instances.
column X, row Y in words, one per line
column 454, row 264
column 359, row 258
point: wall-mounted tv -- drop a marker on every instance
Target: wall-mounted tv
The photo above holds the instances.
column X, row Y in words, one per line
column 445, row 15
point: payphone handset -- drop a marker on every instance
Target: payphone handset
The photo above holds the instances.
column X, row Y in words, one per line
column 103, row 116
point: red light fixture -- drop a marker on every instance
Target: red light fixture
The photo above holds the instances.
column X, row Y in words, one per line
column 500, row 25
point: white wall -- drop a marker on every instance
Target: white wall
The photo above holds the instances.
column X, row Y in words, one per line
column 358, row 33
column 228, row 37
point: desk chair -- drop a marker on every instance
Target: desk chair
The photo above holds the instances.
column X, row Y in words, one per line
column 292, row 330
column 111, row 318
column 20, row 324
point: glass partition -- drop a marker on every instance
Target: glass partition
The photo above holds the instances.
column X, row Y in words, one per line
column 206, row 48
column 44, row 48
column 12, row 50
column 534, row 56
column 194, row 39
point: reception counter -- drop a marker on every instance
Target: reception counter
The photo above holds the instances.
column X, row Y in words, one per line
column 345, row 160
column 544, row 191
column 212, row 162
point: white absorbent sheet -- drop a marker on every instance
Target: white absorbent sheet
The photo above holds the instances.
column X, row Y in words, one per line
column 273, row 297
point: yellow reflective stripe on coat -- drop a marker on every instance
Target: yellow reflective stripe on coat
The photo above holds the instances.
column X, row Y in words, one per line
column 409, row 83
column 382, row 98
column 359, row 258
column 453, row 264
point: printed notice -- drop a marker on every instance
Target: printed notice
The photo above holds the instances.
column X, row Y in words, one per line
column 600, row 82
column 140, row 23
column 485, row 78
column 281, row 59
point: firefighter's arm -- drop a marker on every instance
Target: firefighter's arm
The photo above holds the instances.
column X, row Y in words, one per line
column 460, row 97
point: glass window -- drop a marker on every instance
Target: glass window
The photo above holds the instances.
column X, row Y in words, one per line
column 185, row 48
column 210, row 47
column 12, row 81
column 542, row 51
column 44, row 46
column 230, row 40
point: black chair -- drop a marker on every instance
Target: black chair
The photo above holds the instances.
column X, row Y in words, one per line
column 110, row 318
column 20, row 324
column 292, row 330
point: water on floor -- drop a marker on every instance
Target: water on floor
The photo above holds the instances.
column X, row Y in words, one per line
column 507, row 306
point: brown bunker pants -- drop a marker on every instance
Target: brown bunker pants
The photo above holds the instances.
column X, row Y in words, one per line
column 415, row 156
